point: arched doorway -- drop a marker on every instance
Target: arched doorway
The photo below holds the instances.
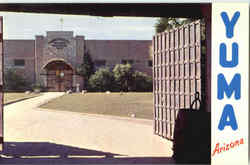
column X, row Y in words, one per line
column 59, row 76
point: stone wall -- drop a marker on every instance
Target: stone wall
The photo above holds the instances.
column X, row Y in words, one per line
column 39, row 42
column 79, row 59
column 20, row 49
column 114, row 51
column 51, row 52
column 63, row 45
column 58, row 45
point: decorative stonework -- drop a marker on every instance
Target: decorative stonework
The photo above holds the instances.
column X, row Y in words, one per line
column 59, row 43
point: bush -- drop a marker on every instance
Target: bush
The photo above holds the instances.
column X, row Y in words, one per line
column 14, row 81
column 142, row 82
column 123, row 78
column 38, row 87
column 123, row 74
column 102, row 80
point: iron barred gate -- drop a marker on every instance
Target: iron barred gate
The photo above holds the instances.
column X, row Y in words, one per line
column 178, row 71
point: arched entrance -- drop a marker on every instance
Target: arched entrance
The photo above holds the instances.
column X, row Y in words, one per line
column 59, row 76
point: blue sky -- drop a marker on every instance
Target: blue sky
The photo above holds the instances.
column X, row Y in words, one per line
column 26, row 26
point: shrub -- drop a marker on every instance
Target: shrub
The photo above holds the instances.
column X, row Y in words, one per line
column 14, row 81
column 123, row 74
column 142, row 82
column 38, row 87
column 129, row 80
column 123, row 78
column 102, row 80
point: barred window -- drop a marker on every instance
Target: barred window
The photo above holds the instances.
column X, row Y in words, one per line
column 100, row 63
column 131, row 61
column 150, row 63
column 19, row 62
column 124, row 61
column 127, row 62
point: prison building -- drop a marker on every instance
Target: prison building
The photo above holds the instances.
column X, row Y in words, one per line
column 52, row 60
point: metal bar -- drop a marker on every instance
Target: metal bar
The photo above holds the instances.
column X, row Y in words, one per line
column 1, row 85
column 176, row 74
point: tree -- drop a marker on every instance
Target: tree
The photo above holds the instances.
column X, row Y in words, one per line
column 102, row 80
column 86, row 69
column 142, row 82
column 14, row 81
column 123, row 74
column 122, row 78
column 165, row 24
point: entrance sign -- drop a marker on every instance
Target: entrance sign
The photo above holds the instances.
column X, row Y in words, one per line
column 230, row 79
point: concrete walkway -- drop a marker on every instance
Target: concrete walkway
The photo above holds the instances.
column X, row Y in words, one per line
column 36, row 135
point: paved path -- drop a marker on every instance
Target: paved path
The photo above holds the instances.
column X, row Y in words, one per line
column 65, row 137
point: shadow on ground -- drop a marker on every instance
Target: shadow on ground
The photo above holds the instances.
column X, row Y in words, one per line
column 18, row 100
column 51, row 153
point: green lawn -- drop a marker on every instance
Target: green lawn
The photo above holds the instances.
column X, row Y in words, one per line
column 140, row 104
column 12, row 97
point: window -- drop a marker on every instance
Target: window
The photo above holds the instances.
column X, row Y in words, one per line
column 100, row 63
column 127, row 62
column 131, row 61
column 150, row 63
column 124, row 61
column 19, row 62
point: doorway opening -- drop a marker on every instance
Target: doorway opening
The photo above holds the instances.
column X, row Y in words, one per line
column 59, row 77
